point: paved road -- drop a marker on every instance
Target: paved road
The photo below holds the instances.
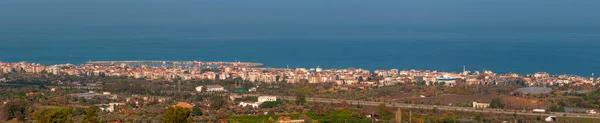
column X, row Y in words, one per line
column 447, row 108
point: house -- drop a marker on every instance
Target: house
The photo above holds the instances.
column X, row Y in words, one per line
column 109, row 107
column 448, row 81
column 89, row 95
column 253, row 89
column 214, row 88
column 591, row 111
column 550, row 118
column 253, row 105
column 262, row 99
column 233, row 97
column 480, row 105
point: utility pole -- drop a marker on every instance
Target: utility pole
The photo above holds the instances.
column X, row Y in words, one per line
column 409, row 116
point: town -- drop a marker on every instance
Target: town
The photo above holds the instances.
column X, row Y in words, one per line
column 244, row 92
column 349, row 76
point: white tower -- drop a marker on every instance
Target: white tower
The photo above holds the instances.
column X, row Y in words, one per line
column 593, row 78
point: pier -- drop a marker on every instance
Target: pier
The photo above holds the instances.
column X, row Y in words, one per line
column 172, row 63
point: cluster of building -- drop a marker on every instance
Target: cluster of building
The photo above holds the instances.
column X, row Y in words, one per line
column 261, row 99
column 349, row 76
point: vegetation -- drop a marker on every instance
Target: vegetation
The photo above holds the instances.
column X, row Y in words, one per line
column 18, row 109
column 176, row 114
column 270, row 104
column 496, row 103
column 61, row 115
column 90, row 115
column 29, row 99
column 196, row 111
column 300, row 99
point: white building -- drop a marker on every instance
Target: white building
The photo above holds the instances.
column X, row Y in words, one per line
column 448, row 81
column 253, row 89
column 109, row 107
column 262, row 99
column 541, row 75
column 214, row 88
column 550, row 119
column 244, row 104
column 480, row 105
column 591, row 111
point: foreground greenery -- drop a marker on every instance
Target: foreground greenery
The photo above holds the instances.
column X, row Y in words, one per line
column 329, row 116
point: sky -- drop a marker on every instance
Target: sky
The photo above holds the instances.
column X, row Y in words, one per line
column 318, row 18
column 530, row 35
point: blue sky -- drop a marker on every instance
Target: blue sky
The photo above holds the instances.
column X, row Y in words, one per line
column 308, row 16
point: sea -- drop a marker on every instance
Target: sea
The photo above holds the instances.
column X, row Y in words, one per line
column 555, row 36
column 527, row 54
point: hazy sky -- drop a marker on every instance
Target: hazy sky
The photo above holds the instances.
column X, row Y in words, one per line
column 308, row 16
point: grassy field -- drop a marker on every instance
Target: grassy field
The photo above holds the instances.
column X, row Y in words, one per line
column 329, row 117
column 337, row 116
column 577, row 120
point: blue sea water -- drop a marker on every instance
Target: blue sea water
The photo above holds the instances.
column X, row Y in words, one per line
column 556, row 36
column 570, row 54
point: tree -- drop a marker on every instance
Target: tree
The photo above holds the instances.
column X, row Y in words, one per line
column 442, row 83
column 61, row 115
column 196, row 111
column 360, row 79
column 216, row 103
column 343, row 105
column 176, row 115
column 398, row 116
column 496, row 103
column 321, row 109
column 448, row 120
column 383, row 109
column 557, row 108
column 90, row 115
column 14, row 109
column 102, row 75
column 300, row 99
column 277, row 78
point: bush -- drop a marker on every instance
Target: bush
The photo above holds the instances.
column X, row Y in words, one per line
column 496, row 103
column 270, row 104
column 61, row 115
column 176, row 115
column 448, row 120
column 557, row 109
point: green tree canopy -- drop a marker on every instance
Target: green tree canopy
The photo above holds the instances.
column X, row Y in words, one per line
column 196, row 111
column 216, row 103
column 300, row 99
column 176, row 115
column 90, row 115
column 496, row 103
column 270, row 104
column 61, row 115
column 14, row 109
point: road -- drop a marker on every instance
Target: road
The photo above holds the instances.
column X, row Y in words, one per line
column 446, row 108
